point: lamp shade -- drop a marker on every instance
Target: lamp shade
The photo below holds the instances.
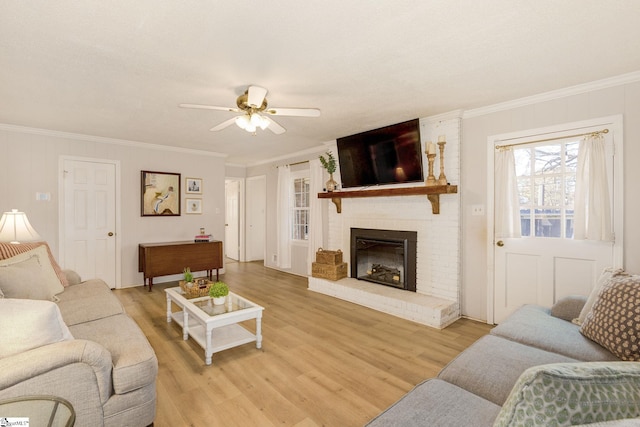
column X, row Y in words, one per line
column 15, row 228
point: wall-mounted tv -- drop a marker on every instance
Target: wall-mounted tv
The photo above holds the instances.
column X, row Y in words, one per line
column 389, row 155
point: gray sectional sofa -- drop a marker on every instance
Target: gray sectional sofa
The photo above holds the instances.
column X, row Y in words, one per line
column 105, row 367
column 472, row 389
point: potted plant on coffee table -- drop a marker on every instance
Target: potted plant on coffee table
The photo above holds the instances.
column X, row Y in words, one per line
column 218, row 292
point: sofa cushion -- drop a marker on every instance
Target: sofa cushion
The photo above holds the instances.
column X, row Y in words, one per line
column 534, row 326
column 29, row 275
column 9, row 250
column 436, row 403
column 491, row 366
column 574, row 393
column 134, row 361
column 87, row 301
column 614, row 320
column 28, row 324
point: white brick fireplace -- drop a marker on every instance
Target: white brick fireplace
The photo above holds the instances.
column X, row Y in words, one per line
column 436, row 300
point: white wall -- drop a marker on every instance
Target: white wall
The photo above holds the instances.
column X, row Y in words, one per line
column 29, row 164
column 477, row 126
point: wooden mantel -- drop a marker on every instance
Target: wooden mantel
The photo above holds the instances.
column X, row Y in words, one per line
column 432, row 192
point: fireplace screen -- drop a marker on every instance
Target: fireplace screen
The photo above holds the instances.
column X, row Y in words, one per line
column 386, row 257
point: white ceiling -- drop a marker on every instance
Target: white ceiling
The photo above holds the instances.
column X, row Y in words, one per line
column 119, row 69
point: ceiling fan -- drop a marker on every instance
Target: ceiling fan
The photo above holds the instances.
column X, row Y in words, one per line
column 253, row 104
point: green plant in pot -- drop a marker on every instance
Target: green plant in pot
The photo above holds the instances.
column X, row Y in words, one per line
column 218, row 291
column 329, row 163
column 188, row 276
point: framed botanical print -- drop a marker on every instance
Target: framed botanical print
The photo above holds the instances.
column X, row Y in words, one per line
column 193, row 206
column 160, row 195
column 194, row 186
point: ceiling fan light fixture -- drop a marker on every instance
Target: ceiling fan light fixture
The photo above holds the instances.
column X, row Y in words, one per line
column 243, row 122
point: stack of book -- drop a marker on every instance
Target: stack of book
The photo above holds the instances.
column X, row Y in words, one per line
column 203, row 238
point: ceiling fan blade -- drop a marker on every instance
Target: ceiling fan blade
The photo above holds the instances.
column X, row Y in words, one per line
column 223, row 124
column 256, row 96
column 274, row 127
column 209, row 107
column 298, row 112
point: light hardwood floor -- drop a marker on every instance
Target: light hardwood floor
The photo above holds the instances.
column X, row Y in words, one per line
column 323, row 362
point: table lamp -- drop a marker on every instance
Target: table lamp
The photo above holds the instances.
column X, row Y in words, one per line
column 15, row 228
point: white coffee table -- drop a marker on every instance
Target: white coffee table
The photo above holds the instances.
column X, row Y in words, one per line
column 215, row 327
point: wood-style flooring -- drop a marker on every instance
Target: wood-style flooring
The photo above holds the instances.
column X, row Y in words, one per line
column 323, row 362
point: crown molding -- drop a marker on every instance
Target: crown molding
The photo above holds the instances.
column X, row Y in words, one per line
column 313, row 150
column 555, row 94
column 104, row 140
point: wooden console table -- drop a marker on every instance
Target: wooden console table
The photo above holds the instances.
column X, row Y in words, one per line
column 162, row 259
column 432, row 192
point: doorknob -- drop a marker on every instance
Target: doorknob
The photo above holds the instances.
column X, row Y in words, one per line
column 500, row 243
column 110, row 234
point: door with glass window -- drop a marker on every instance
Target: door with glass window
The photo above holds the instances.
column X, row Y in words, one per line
column 546, row 263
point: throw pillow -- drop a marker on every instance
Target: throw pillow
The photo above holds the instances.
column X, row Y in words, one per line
column 565, row 394
column 46, row 276
column 28, row 324
column 8, row 250
column 604, row 278
column 614, row 320
column 24, row 280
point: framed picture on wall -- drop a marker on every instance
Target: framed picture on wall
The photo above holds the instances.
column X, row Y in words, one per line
column 160, row 194
column 194, row 186
column 193, row 206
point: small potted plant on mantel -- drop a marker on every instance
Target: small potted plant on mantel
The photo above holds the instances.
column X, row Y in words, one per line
column 329, row 164
column 218, row 292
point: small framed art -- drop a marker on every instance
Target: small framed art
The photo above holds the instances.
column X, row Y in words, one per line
column 160, row 194
column 193, row 206
column 194, row 186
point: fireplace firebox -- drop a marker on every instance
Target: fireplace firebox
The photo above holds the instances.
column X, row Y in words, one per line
column 385, row 257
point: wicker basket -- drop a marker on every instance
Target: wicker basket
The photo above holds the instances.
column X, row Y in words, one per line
column 329, row 257
column 331, row 272
column 200, row 288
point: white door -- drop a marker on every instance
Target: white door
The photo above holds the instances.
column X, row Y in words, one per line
column 232, row 220
column 256, row 217
column 546, row 264
column 89, row 219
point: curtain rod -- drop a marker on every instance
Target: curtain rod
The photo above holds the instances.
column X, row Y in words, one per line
column 296, row 163
column 498, row 147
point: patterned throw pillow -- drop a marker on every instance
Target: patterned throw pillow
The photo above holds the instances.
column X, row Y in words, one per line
column 603, row 280
column 614, row 320
column 566, row 394
column 9, row 250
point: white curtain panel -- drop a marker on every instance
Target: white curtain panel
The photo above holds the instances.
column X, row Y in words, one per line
column 592, row 215
column 507, row 202
column 283, row 214
column 316, row 185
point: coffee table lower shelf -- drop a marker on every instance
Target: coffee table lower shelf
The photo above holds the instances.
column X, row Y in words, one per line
column 222, row 338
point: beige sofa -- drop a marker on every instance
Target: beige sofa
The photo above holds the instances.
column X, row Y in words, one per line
column 82, row 348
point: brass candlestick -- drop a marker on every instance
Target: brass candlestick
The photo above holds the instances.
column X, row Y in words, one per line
column 431, row 179
column 442, row 179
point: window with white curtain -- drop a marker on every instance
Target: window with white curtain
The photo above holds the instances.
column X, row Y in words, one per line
column 546, row 176
column 300, row 206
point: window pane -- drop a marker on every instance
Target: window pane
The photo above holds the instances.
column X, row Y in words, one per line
column 571, row 160
column 524, row 190
column 547, row 159
column 525, row 222
column 548, row 223
column 548, row 191
column 300, row 211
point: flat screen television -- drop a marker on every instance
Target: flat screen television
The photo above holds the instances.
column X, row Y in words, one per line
column 389, row 155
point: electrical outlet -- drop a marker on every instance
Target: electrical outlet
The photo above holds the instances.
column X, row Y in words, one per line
column 477, row 210
column 274, row 258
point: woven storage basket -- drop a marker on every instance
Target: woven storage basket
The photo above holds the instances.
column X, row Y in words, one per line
column 329, row 257
column 331, row 272
column 200, row 288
